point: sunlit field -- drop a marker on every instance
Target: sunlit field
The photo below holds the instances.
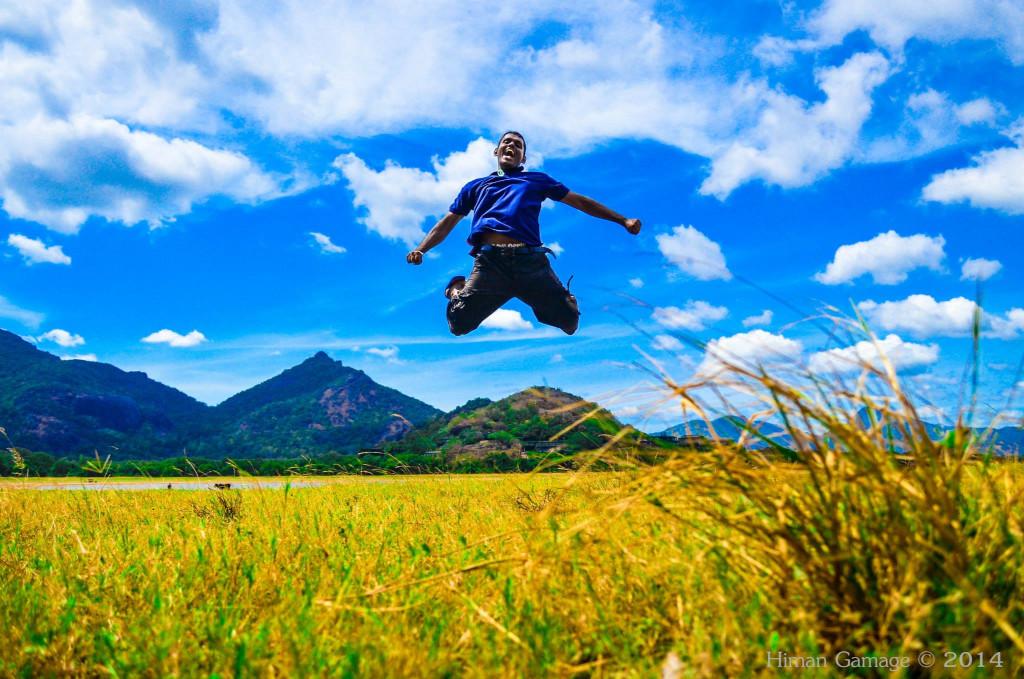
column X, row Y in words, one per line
column 412, row 575
column 861, row 542
column 675, row 567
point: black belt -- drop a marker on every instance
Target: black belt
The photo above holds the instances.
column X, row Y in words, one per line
column 517, row 249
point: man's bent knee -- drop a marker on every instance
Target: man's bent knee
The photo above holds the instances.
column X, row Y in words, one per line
column 459, row 325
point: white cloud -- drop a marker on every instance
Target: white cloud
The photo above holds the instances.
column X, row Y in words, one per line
column 557, row 358
column 695, row 316
column 975, row 111
column 390, row 352
column 979, row 269
column 749, row 350
column 694, row 253
column 398, row 199
column 81, row 357
column 1008, row 326
column 174, row 339
column 100, row 101
column 506, row 319
column 636, row 282
column 36, row 251
column 930, row 121
column 326, row 246
column 888, row 257
column 556, row 248
column 61, row 337
column 891, row 23
column 924, row 316
column 763, row 318
column 794, row 143
column 995, row 180
column 365, row 68
column 130, row 95
column 61, row 172
column 103, row 58
column 904, row 356
column 32, row 319
column 667, row 343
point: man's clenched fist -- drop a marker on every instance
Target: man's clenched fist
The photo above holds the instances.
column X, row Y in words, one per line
column 414, row 257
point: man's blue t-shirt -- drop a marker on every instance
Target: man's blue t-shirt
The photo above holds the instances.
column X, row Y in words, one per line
column 507, row 203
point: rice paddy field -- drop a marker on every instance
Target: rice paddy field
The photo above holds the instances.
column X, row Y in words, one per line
column 695, row 567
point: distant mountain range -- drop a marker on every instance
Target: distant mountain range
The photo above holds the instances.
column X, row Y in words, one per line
column 731, row 428
column 73, row 407
column 727, row 427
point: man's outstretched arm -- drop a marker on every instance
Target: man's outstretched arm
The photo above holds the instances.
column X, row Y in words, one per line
column 434, row 237
column 595, row 209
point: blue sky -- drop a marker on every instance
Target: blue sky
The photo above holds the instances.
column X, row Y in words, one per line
column 213, row 192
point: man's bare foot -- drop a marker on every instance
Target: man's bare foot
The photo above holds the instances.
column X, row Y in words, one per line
column 454, row 285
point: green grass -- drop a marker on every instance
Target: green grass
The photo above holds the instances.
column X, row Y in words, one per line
column 409, row 576
column 425, row 576
column 702, row 563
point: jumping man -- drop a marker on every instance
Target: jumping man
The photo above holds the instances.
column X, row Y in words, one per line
column 511, row 259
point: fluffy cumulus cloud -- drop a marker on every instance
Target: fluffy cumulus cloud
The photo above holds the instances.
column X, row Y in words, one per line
column 101, row 104
column 36, row 251
column 994, row 180
column 749, row 350
column 794, row 142
column 26, row 317
column 506, row 319
column 110, row 107
column 694, row 253
column 61, row 338
column 763, row 318
column 325, row 244
column 397, row 199
column 636, row 283
column 979, row 269
column 903, row 356
column 695, row 316
column 667, row 343
column 888, row 258
column 364, row 68
column 174, row 339
column 931, row 121
column 924, row 316
column 61, row 172
column 891, row 23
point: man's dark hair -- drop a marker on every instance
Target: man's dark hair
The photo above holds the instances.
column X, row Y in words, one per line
column 518, row 134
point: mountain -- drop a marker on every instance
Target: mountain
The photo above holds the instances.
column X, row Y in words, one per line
column 71, row 408
column 1004, row 440
column 319, row 405
column 76, row 407
column 525, row 420
column 729, row 427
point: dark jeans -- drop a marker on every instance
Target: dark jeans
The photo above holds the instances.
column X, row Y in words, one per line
column 499, row 276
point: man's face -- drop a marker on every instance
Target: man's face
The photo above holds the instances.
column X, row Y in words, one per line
column 511, row 152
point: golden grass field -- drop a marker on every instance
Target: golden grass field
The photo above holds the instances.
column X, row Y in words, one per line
column 863, row 535
column 419, row 576
column 601, row 574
